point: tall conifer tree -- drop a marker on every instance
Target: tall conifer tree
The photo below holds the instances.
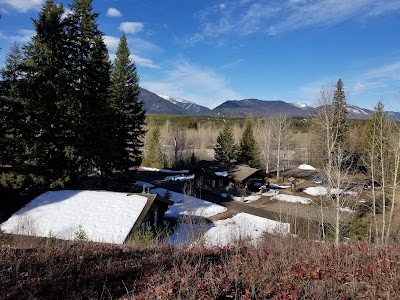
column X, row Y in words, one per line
column 13, row 118
column 129, row 131
column 248, row 150
column 90, row 73
column 225, row 149
column 340, row 121
column 48, row 90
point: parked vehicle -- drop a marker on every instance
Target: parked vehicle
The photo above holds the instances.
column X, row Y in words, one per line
column 369, row 184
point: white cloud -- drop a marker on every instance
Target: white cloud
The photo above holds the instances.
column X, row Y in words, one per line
column 66, row 13
column 131, row 27
column 144, row 62
column 4, row 11
column 113, row 13
column 111, row 42
column 359, row 87
column 24, row 35
column 143, row 45
column 23, row 5
column 387, row 72
column 139, row 61
column 275, row 17
column 188, row 81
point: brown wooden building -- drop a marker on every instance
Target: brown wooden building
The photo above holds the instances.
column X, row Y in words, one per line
column 232, row 178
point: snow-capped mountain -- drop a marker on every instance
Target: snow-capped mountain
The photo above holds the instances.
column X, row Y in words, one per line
column 358, row 112
column 154, row 104
column 163, row 104
column 187, row 107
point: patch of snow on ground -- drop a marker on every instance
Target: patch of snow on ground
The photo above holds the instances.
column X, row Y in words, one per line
column 291, row 198
column 164, row 170
column 179, row 177
column 322, row 191
column 306, row 167
column 149, row 169
column 270, row 193
column 346, row 209
column 238, row 198
column 189, row 206
column 275, row 186
column 187, row 234
column 174, row 172
column 242, row 226
column 104, row 216
column 144, row 184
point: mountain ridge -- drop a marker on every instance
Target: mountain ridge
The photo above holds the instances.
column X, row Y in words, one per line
column 163, row 104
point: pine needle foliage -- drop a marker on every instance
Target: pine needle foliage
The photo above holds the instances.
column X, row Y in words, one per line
column 225, row 149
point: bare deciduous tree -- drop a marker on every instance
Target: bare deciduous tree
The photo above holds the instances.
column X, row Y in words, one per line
column 263, row 131
column 335, row 173
column 382, row 158
column 281, row 136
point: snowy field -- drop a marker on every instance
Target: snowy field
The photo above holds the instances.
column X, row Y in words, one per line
column 292, row 199
column 242, row 226
column 246, row 199
column 104, row 216
column 189, row 206
column 306, row 167
column 322, row 191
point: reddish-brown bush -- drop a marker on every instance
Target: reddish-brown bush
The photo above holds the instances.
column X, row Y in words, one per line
column 279, row 269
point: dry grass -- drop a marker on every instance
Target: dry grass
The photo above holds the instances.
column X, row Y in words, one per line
column 281, row 268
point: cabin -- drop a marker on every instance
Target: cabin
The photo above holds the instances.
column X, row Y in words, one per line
column 152, row 214
column 220, row 177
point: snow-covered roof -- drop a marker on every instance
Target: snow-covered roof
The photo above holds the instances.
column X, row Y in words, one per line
column 221, row 174
column 103, row 216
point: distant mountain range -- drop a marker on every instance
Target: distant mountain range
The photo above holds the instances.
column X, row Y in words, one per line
column 162, row 104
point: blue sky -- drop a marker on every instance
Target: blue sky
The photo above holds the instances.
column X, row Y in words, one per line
column 212, row 51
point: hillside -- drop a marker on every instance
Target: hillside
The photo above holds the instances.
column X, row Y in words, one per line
column 188, row 107
column 281, row 268
column 167, row 105
column 154, row 104
column 255, row 107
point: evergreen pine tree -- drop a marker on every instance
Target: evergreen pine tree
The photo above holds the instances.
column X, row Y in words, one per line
column 225, row 149
column 154, row 157
column 340, row 121
column 129, row 131
column 13, row 117
column 248, row 150
column 48, row 90
column 89, row 68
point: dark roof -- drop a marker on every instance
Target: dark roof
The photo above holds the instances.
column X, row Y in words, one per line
column 235, row 172
column 241, row 172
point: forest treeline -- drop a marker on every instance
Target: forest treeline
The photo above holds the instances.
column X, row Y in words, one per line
column 66, row 109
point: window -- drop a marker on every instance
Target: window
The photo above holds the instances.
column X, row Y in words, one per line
column 208, row 182
column 221, row 182
column 213, row 183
